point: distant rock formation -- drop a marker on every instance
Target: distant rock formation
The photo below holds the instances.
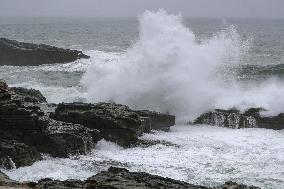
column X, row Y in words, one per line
column 116, row 178
column 235, row 119
column 16, row 53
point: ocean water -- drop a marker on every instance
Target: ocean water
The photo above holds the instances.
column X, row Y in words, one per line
column 164, row 62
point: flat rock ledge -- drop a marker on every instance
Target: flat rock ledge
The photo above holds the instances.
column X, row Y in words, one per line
column 116, row 122
column 116, row 178
column 251, row 118
column 17, row 53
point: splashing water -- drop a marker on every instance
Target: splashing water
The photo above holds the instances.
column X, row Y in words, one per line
column 167, row 69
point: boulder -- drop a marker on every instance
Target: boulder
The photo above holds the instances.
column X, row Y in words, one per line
column 235, row 119
column 116, row 122
column 28, row 54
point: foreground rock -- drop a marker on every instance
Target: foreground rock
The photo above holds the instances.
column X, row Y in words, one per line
column 116, row 122
column 26, row 131
column 22, row 54
column 235, row 119
column 117, row 178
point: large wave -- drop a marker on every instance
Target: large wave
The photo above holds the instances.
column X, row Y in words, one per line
column 169, row 70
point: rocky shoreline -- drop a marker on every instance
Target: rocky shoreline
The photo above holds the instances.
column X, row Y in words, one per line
column 17, row 53
column 115, row 178
column 30, row 127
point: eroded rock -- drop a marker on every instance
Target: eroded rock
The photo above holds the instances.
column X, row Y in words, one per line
column 251, row 118
column 26, row 131
column 116, row 122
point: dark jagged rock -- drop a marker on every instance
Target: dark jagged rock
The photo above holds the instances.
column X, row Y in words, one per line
column 235, row 119
column 234, row 185
column 22, row 54
column 14, row 154
column 227, row 118
column 158, row 121
column 28, row 95
column 116, row 122
column 27, row 131
column 124, row 179
column 61, row 139
column 117, row 178
column 56, row 184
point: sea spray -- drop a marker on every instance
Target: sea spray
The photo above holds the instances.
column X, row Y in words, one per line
column 169, row 70
column 166, row 70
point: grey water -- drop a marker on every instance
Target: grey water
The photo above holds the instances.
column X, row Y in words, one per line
column 265, row 57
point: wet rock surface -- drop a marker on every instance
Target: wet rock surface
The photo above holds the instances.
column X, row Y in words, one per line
column 116, row 122
column 29, row 127
column 251, row 118
column 117, row 178
column 158, row 121
column 26, row 131
column 28, row 54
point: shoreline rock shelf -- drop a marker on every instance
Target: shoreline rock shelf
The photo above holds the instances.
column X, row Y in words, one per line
column 117, row 123
column 27, row 130
column 116, row 178
column 16, row 53
column 29, row 127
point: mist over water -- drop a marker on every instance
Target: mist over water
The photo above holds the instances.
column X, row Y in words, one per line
column 169, row 70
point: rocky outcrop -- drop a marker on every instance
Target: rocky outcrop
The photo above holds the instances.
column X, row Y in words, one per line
column 61, row 139
column 22, row 54
column 116, row 122
column 117, row 178
column 235, row 119
column 158, row 121
column 27, row 95
column 26, row 131
column 124, row 179
column 14, row 154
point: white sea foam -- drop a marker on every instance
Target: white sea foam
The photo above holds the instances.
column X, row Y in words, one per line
column 199, row 154
column 169, row 71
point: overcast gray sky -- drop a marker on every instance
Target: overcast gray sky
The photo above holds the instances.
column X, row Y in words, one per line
column 129, row 8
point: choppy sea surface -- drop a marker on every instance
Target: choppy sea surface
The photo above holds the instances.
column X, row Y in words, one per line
column 167, row 63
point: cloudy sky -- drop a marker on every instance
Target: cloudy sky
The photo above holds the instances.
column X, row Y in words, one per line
column 130, row 8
